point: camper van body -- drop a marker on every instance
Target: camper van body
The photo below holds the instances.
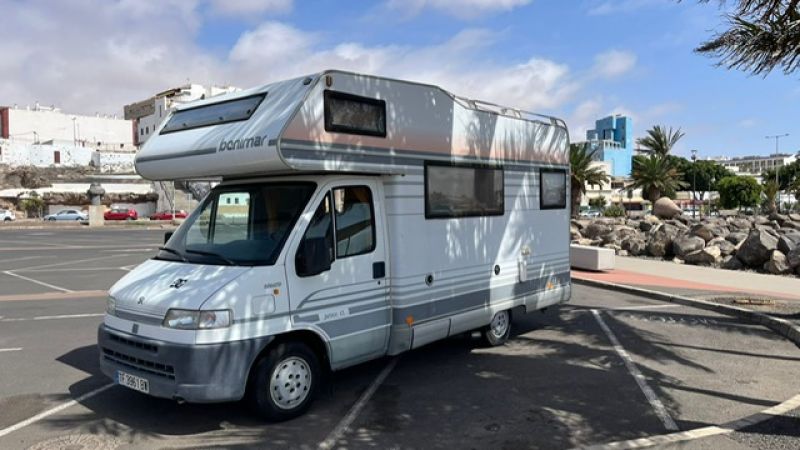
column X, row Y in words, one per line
column 407, row 216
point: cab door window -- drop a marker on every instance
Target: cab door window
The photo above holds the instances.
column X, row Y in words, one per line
column 315, row 253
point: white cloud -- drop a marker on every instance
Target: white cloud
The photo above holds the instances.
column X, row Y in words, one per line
column 249, row 7
column 113, row 54
column 613, row 63
column 607, row 7
column 464, row 9
column 533, row 84
column 748, row 122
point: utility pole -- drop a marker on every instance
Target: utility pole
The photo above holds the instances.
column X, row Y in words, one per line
column 694, row 183
column 777, row 138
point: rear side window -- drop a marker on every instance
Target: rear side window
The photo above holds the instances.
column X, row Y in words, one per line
column 355, row 221
column 553, row 188
column 463, row 191
column 348, row 113
column 213, row 114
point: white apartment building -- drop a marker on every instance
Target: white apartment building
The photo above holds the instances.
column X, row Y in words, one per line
column 755, row 165
column 48, row 125
column 148, row 114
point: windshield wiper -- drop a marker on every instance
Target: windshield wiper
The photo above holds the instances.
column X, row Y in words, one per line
column 174, row 252
column 216, row 255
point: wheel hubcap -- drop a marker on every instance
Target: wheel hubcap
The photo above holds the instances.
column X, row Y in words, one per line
column 499, row 324
column 290, row 382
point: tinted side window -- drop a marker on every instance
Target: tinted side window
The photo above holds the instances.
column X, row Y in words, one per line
column 355, row 221
column 320, row 226
column 553, row 188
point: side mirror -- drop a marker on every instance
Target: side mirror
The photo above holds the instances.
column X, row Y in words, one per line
column 313, row 257
column 168, row 235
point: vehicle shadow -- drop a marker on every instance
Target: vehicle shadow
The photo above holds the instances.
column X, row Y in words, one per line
column 557, row 383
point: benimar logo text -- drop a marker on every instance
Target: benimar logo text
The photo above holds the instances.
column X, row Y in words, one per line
column 242, row 143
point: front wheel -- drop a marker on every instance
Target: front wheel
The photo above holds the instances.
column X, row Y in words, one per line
column 285, row 381
column 499, row 329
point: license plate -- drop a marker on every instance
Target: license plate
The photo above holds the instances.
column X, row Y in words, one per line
column 132, row 381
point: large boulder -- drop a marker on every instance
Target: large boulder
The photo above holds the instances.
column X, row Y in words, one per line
column 683, row 245
column 725, row 247
column 736, row 237
column 660, row 241
column 760, row 220
column 574, row 234
column 755, row 250
column 791, row 225
column 731, row 263
column 665, row 208
column 708, row 256
column 597, row 229
column 794, row 217
column 739, row 223
column 788, row 242
column 634, row 246
column 793, row 259
column 704, row 231
column 777, row 263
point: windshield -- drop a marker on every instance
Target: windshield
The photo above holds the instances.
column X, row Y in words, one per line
column 239, row 225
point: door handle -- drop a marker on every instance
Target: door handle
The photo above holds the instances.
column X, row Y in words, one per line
column 378, row 270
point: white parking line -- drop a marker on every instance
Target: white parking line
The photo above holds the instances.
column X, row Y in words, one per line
column 41, row 283
column 624, row 308
column 54, row 410
column 65, row 316
column 64, row 263
column 347, row 420
column 10, row 349
column 652, row 398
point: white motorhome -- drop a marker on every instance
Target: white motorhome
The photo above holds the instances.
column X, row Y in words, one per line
column 358, row 217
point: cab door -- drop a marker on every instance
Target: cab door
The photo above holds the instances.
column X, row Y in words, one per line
column 337, row 269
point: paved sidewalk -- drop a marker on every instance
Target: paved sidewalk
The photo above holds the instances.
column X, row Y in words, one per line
column 681, row 278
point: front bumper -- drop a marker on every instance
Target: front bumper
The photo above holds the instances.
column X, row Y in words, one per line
column 195, row 373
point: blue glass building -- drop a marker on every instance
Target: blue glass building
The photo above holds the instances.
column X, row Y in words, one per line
column 612, row 140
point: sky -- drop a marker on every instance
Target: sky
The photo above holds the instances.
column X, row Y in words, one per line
column 576, row 59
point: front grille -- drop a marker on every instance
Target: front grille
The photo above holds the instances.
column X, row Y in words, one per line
column 131, row 343
column 143, row 365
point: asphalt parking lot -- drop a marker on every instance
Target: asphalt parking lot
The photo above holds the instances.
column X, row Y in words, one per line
column 607, row 367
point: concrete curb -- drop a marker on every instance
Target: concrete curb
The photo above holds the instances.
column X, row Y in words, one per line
column 783, row 327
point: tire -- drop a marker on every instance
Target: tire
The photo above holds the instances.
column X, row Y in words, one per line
column 284, row 382
column 498, row 331
column 52, row 219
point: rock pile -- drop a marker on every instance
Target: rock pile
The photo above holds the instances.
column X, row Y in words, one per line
column 764, row 243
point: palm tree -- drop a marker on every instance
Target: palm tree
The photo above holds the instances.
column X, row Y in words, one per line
column 659, row 140
column 758, row 36
column 656, row 176
column 580, row 159
column 770, row 190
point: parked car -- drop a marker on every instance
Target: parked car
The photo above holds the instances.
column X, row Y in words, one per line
column 6, row 215
column 121, row 214
column 67, row 214
column 167, row 215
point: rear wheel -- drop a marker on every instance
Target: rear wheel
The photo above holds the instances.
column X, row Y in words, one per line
column 498, row 331
column 285, row 381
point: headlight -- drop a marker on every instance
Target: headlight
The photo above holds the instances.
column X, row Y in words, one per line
column 111, row 306
column 185, row 319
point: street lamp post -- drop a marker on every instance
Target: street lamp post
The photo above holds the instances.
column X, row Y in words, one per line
column 694, row 183
column 777, row 138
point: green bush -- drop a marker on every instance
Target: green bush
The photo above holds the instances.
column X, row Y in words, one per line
column 739, row 192
column 614, row 211
column 32, row 206
column 598, row 202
